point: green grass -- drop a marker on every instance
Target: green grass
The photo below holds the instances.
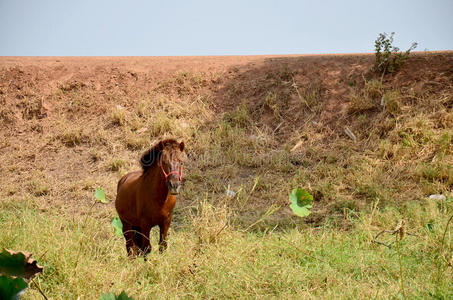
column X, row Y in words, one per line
column 203, row 261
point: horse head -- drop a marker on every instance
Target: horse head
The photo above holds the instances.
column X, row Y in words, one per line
column 170, row 162
column 167, row 157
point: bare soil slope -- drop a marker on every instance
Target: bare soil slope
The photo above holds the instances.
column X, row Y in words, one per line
column 70, row 124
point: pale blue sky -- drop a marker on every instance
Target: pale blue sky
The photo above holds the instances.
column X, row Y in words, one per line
column 208, row 27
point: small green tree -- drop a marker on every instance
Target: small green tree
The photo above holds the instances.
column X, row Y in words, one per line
column 388, row 57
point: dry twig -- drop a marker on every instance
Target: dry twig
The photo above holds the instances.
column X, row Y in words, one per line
column 400, row 229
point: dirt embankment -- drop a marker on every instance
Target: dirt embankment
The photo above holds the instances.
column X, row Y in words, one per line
column 31, row 87
column 63, row 118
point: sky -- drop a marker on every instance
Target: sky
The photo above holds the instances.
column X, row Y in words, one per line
column 209, row 27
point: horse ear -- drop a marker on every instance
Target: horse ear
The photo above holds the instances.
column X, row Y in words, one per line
column 181, row 146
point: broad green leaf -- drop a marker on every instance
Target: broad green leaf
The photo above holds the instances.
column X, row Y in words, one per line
column 118, row 226
column 301, row 202
column 123, row 296
column 99, row 194
column 12, row 264
column 111, row 296
column 11, row 288
column 18, row 264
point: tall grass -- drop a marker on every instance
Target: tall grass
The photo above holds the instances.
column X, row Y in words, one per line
column 207, row 260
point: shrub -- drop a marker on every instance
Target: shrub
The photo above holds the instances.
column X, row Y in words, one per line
column 388, row 57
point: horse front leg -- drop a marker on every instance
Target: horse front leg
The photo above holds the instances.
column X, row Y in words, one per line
column 163, row 231
column 145, row 245
column 137, row 235
column 129, row 237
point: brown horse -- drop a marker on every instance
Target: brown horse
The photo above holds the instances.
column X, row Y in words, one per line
column 146, row 198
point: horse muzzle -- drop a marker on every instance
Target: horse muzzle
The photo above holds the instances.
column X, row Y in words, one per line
column 174, row 187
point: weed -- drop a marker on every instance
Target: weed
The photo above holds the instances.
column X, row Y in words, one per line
column 367, row 98
column 309, row 96
column 210, row 222
column 445, row 143
column 240, row 116
column 116, row 165
column 31, row 108
column 391, row 102
column 39, row 188
column 162, row 125
column 271, row 103
column 436, row 173
column 135, row 141
column 118, row 117
column 373, row 89
column 71, row 137
column 95, row 155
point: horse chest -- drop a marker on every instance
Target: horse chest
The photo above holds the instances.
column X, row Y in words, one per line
column 167, row 209
column 160, row 211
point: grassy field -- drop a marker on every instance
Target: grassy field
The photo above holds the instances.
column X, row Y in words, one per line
column 84, row 259
column 259, row 130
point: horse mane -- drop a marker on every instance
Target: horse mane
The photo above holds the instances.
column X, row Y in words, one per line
column 152, row 155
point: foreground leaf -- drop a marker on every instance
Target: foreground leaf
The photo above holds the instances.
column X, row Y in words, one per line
column 11, row 288
column 301, row 202
column 99, row 194
column 111, row 296
column 118, row 226
column 19, row 264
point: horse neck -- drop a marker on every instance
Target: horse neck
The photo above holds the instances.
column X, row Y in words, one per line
column 155, row 179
